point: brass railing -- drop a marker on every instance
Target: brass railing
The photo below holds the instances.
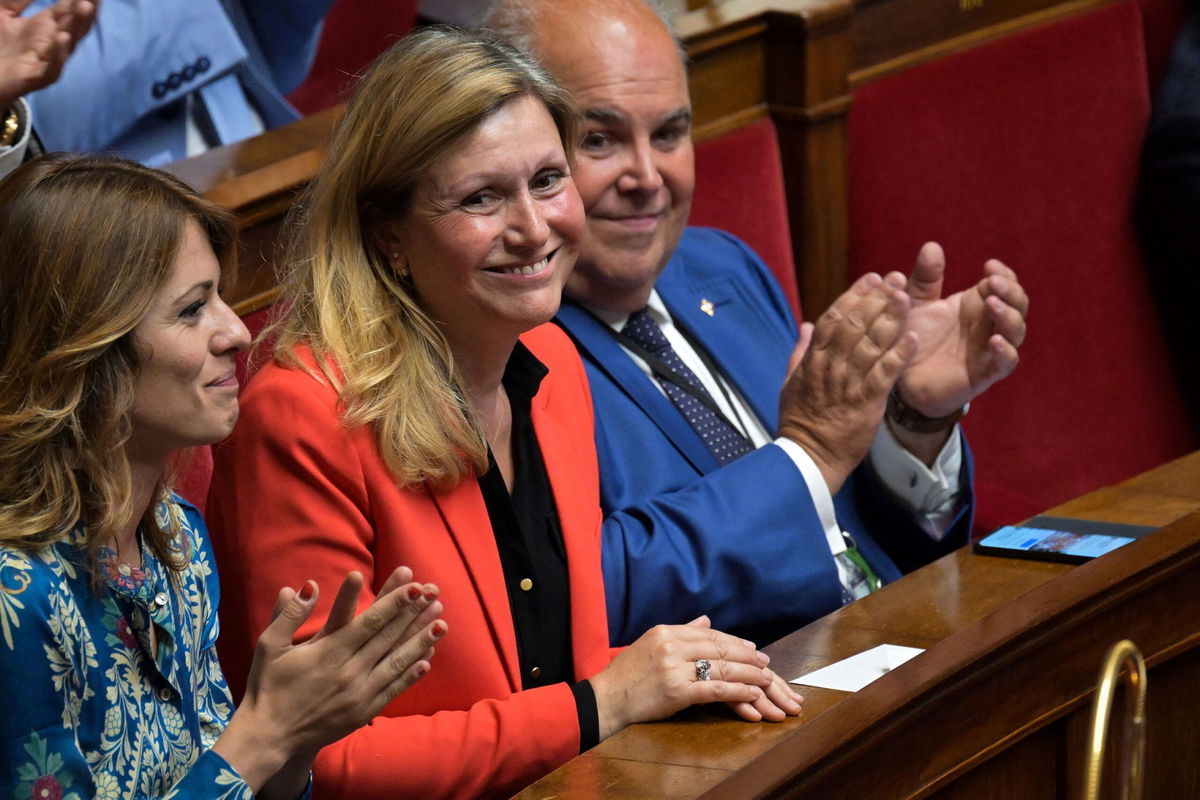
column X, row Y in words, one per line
column 1122, row 654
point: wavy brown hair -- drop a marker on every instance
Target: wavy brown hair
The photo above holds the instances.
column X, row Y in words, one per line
column 85, row 243
column 419, row 102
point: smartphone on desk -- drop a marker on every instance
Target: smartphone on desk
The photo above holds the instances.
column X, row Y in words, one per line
column 1073, row 541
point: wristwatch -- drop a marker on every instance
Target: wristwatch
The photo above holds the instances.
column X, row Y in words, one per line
column 10, row 127
column 908, row 418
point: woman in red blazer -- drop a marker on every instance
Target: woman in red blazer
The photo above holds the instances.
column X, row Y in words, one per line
column 419, row 411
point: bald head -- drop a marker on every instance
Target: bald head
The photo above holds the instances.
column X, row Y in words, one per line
column 634, row 168
column 517, row 20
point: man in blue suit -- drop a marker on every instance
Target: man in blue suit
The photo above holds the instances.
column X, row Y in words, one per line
column 755, row 505
column 159, row 80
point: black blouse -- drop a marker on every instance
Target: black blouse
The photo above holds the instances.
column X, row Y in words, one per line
column 532, row 553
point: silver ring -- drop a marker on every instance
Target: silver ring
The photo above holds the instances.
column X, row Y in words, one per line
column 703, row 669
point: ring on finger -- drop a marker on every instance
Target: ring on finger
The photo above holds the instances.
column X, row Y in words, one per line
column 703, row 669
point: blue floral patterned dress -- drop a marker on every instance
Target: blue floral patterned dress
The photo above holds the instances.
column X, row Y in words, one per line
column 88, row 709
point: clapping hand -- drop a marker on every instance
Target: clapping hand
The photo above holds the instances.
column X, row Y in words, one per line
column 301, row 697
column 842, row 371
column 34, row 49
column 967, row 341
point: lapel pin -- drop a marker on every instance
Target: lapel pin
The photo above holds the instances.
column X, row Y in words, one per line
column 706, row 306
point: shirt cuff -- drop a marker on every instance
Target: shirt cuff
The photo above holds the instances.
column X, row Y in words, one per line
column 818, row 490
column 589, row 715
column 931, row 493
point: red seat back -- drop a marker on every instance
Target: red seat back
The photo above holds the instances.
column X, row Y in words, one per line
column 739, row 189
column 1026, row 149
column 195, row 475
column 1161, row 21
column 255, row 321
column 355, row 32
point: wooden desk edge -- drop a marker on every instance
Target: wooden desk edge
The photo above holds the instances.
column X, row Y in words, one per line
column 982, row 653
column 999, row 646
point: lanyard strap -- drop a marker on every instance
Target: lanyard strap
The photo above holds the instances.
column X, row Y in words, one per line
column 855, row 555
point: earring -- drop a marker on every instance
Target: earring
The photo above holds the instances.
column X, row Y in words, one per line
column 403, row 271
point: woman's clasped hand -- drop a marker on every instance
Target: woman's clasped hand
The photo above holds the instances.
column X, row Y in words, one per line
column 657, row 675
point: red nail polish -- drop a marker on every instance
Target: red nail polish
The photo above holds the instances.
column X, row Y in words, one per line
column 439, row 629
column 431, row 596
column 306, row 591
column 421, row 669
column 414, row 593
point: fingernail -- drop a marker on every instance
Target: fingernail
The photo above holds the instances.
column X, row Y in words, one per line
column 306, row 591
column 438, row 629
column 431, row 596
column 749, row 644
column 763, row 658
column 420, row 669
column 414, row 593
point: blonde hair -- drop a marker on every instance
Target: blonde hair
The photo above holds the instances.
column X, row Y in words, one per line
column 391, row 364
column 85, row 243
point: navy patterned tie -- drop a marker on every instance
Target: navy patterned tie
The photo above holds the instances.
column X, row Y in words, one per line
column 722, row 439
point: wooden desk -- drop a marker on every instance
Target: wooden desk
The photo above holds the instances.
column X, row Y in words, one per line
column 998, row 705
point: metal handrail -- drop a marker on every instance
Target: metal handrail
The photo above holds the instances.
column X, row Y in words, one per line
column 1122, row 654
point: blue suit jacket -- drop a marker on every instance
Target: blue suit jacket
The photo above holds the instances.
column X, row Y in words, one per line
column 121, row 88
column 741, row 543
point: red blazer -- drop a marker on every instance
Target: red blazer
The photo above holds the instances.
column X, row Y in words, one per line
column 295, row 495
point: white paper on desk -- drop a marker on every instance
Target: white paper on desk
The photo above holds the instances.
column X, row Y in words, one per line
column 853, row 673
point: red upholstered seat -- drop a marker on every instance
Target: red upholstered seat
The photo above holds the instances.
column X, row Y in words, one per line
column 255, row 321
column 1026, row 149
column 195, row 475
column 739, row 189
column 356, row 31
column 1161, row 21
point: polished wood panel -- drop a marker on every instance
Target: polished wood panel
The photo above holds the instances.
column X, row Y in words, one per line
column 788, row 60
column 892, row 35
column 259, row 179
column 996, row 706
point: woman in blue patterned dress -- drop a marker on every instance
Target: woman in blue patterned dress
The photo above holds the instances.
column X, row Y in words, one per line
column 117, row 352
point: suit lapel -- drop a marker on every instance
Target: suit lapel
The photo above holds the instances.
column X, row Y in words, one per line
column 730, row 338
column 465, row 514
column 605, row 355
column 573, row 482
